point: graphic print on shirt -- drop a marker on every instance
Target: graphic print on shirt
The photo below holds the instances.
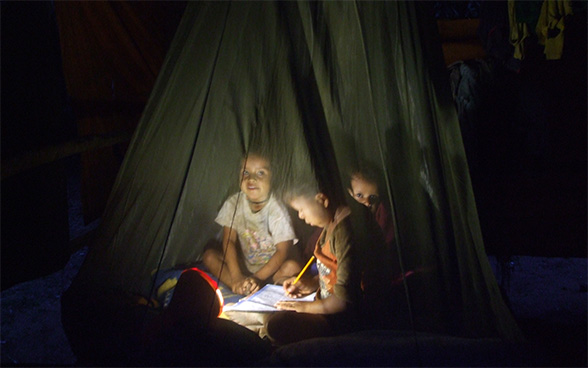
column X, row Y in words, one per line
column 259, row 248
column 324, row 279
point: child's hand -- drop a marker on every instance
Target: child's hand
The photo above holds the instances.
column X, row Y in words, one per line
column 246, row 286
column 237, row 287
column 302, row 287
column 251, row 285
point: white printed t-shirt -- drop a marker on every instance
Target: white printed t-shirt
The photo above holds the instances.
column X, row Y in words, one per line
column 258, row 232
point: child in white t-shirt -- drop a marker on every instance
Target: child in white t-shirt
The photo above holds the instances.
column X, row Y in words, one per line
column 258, row 236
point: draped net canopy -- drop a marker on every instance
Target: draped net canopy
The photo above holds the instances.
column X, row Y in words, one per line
column 320, row 87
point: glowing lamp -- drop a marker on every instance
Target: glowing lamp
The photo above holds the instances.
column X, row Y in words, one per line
column 214, row 285
column 196, row 298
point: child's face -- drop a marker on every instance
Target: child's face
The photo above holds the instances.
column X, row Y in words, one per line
column 312, row 210
column 256, row 177
column 363, row 191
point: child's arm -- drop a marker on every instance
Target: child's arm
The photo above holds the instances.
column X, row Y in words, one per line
column 229, row 244
column 329, row 305
column 275, row 262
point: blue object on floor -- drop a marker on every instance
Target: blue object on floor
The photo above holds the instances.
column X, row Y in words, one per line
column 167, row 279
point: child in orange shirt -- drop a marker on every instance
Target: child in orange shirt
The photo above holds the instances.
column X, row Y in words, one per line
column 340, row 302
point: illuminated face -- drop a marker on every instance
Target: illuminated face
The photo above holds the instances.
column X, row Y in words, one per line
column 312, row 210
column 255, row 179
column 364, row 191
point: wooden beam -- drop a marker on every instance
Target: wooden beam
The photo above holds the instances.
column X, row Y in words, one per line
column 32, row 159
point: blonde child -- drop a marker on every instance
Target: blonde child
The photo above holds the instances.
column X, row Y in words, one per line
column 258, row 237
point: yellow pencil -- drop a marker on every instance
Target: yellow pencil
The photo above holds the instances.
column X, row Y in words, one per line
column 304, row 269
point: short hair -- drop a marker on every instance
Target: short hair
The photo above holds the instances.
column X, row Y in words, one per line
column 306, row 189
column 366, row 171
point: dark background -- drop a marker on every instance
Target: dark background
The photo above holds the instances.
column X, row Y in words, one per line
column 76, row 75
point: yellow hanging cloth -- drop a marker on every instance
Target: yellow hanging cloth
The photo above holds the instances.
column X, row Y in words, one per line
column 518, row 32
column 550, row 26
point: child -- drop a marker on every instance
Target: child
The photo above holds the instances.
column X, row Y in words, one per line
column 364, row 188
column 339, row 300
column 259, row 224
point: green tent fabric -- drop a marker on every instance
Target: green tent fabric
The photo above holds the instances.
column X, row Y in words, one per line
column 321, row 86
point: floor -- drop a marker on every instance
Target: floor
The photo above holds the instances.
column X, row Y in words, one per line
column 547, row 296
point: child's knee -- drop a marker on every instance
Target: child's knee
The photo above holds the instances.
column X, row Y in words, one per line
column 209, row 257
column 274, row 326
column 290, row 268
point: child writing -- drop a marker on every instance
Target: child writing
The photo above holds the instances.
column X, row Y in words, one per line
column 258, row 236
column 340, row 299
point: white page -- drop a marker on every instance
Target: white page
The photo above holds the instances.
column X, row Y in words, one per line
column 265, row 299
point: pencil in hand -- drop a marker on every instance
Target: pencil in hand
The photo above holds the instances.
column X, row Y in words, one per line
column 304, row 269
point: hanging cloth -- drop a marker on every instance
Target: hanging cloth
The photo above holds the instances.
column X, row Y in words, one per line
column 519, row 31
column 550, row 27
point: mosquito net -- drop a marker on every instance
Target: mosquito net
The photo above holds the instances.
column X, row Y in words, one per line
column 320, row 88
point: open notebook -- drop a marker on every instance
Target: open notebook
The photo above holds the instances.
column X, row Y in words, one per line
column 264, row 300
